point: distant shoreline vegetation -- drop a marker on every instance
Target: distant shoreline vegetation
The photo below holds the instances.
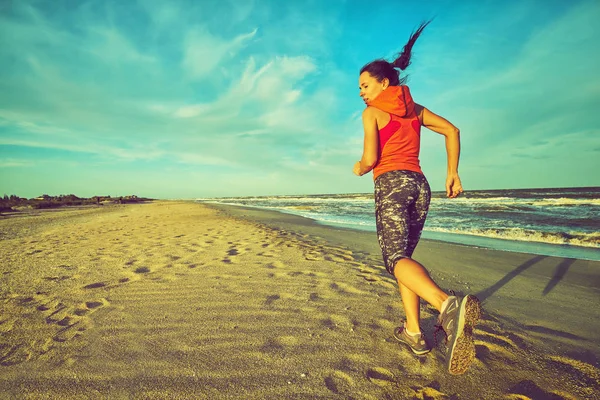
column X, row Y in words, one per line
column 15, row 203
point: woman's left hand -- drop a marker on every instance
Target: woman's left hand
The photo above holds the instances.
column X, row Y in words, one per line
column 356, row 169
column 453, row 186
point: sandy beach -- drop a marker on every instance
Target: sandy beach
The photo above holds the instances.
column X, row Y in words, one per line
column 178, row 300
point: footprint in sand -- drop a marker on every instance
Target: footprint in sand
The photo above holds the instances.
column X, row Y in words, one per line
column 430, row 394
column 380, row 376
column 230, row 260
column 334, row 321
column 353, row 362
column 369, row 278
column 90, row 307
column 34, row 252
column 587, row 374
column 488, row 332
column 496, row 339
column 61, row 315
column 271, row 345
column 56, row 278
column 267, row 254
column 11, row 355
column 528, row 389
column 345, row 289
column 67, row 267
column 64, row 322
column 95, row 285
column 328, row 323
column 313, row 256
column 339, row 382
column 270, row 299
column 338, row 258
column 72, row 331
column 276, row 264
column 493, row 345
column 7, row 325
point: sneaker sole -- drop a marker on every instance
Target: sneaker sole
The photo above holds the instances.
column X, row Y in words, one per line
column 462, row 351
column 417, row 352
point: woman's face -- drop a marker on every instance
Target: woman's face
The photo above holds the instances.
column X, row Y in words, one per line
column 370, row 87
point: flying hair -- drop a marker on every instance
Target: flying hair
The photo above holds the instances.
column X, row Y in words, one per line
column 403, row 60
column 381, row 69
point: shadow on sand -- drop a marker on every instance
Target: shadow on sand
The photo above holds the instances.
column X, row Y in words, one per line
column 561, row 270
column 559, row 273
column 484, row 294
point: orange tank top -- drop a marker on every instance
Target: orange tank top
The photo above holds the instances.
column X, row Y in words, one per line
column 400, row 139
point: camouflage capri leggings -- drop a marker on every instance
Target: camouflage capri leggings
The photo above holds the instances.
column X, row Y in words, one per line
column 401, row 204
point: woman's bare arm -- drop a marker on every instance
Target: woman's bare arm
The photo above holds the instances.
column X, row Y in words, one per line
column 371, row 143
column 444, row 127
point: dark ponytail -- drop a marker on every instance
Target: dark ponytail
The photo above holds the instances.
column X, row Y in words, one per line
column 380, row 69
column 403, row 60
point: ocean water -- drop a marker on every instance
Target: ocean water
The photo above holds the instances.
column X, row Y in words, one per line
column 562, row 222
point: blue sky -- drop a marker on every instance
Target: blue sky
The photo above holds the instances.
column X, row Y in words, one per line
column 188, row 99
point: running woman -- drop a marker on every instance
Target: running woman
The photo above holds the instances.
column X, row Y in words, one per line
column 392, row 124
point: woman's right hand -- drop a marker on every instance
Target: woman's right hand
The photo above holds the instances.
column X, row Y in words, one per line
column 453, row 186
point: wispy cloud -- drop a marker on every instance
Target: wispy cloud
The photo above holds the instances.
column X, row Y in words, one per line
column 203, row 51
column 11, row 162
column 110, row 46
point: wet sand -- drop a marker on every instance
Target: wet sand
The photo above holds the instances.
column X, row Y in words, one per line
column 182, row 300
